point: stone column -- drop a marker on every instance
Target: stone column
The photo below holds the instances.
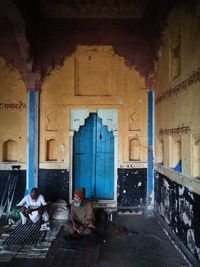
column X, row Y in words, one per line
column 32, row 81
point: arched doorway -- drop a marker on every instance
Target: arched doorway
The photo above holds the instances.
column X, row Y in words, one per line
column 93, row 159
column 93, row 154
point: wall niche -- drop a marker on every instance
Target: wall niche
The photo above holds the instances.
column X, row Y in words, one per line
column 10, row 151
column 176, row 156
column 196, row 157
column 51, row 150
column 160, row 152
column 134, row 149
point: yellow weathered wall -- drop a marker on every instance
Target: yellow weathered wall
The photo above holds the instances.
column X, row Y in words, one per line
column 93, row 77
column 13, row 117
column 181, row 108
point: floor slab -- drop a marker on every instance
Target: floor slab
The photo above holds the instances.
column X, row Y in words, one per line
column 131, row 241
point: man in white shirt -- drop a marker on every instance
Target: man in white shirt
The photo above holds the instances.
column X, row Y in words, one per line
column 33, row 207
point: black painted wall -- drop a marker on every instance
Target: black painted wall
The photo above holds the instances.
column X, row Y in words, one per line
column 20, row 185
column 131, row 189
column 180, row 208
column 54, row 184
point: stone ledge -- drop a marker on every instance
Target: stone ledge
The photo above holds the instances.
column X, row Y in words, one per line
column 189, row 182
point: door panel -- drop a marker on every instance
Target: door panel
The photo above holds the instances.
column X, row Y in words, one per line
column 93, row 159
column 104, row 162
column 83, row 158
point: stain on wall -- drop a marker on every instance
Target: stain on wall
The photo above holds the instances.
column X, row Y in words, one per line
column 180, row 208
column 132, row 187
column 54, row 184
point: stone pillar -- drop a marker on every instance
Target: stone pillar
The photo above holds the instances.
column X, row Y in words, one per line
column 32, row 81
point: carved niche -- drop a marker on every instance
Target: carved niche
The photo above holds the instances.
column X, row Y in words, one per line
column 10, row 149
column 51, row 150
column 134, row 149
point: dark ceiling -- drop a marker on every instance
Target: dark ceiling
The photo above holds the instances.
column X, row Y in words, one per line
column 38, row 34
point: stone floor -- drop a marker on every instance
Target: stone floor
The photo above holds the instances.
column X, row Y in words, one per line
column 131, row 241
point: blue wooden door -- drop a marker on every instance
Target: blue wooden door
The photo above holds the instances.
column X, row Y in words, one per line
column 93, row 159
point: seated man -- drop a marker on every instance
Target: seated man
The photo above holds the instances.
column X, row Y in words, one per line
column 82, row 215
column 33, row 207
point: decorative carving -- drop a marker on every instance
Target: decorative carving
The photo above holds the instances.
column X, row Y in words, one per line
column 134, row 149
column 78, row 117
column 32, row 80
column 52, row 122
column 134, row 121
column 138, row 165
column 109, row 118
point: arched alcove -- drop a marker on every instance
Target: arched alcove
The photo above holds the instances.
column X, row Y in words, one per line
column 10, row 151
column 51, row 150
column 176, row 156
column 196, row 158
column 134, row 149
column 160, row 152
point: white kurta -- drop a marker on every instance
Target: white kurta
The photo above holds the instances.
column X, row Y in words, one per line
column 28, row 202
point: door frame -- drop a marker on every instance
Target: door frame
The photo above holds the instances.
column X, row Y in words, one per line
column 110, row 119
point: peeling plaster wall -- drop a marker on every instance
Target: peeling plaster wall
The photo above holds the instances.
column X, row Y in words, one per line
column 132, row 187
column 180, row 208
column 177, row 111
column 13, row 113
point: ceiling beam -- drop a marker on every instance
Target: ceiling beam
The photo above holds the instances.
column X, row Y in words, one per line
column 10, row 10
